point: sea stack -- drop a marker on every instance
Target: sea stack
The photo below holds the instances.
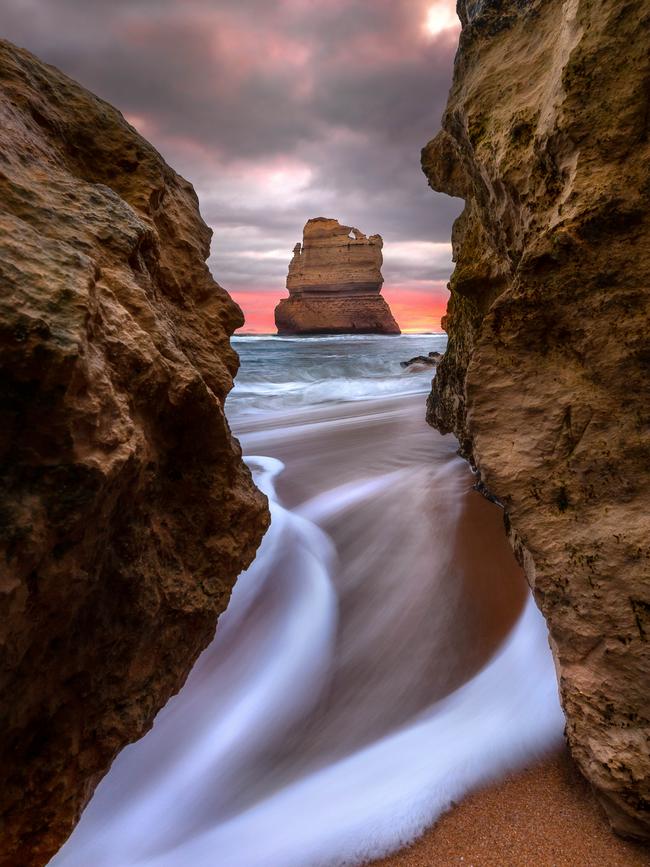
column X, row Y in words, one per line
column 334, row 284
column 545, row 378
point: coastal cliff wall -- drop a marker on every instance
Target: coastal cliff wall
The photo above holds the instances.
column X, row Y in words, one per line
column 126, row 511
column 545, row 380
column 334, row 283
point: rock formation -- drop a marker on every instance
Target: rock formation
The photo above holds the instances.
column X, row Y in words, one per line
column 334, row 284
column 126, row 510
column 430, row 360
column 545, row 381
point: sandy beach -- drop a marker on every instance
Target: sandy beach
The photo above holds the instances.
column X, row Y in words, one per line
column 380, row 660
column 545, row 816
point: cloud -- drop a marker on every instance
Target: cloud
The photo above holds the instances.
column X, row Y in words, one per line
column 277, row 112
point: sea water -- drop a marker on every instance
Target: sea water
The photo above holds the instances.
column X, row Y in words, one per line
column 379, row 659
column 280, row 373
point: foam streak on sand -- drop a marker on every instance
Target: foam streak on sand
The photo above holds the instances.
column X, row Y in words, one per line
column 379, row 659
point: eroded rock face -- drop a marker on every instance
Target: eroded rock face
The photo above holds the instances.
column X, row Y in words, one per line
column 334, row 284
column 126, row 511
column 545, row 381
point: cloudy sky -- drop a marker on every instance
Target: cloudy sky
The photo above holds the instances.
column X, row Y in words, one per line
column 278, row 111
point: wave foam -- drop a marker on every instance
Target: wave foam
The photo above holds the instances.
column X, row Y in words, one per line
column 199, row 788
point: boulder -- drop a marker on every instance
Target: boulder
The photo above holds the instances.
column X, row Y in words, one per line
column 126, row 510
column 545, row 380
column 429, row 360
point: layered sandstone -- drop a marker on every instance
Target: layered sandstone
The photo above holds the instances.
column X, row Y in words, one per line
column 126, row 510
column 334, row 284
column 545, row 381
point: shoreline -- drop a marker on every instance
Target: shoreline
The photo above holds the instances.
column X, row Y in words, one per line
column 326, row 334
column 544, row 816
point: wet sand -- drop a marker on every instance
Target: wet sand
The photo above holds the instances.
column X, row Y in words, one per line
column 545, row 816
column 379, row 659
column 464, row 615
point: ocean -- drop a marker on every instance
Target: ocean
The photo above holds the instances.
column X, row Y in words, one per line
column 381, row 658
column 280, row 373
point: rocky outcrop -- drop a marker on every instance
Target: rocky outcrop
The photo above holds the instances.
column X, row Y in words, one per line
column 126, row 511
column 429, row 360
column 545, row 381
column 334, row 284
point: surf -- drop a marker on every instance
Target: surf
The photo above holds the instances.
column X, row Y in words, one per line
column 381, row 658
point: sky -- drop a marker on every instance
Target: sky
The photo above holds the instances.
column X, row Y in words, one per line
column 278, row 111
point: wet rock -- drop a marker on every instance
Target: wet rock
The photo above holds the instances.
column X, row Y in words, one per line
column 544, row 381
column 429, row 360
column 126, row 511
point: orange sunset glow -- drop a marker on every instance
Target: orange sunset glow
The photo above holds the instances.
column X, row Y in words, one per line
column 416, row 310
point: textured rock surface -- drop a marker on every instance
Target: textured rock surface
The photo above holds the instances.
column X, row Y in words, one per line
column 334, row 284
column 545, row 381
column 126, row 512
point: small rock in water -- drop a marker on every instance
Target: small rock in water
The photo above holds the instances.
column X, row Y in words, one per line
column 429, row 360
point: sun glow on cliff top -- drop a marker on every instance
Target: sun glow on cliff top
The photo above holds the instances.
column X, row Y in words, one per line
column 440, row 16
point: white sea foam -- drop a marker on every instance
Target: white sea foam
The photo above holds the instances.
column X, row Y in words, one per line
column 341, row 707
column 288, row 372
column 166, row 801
column 230, row 708
column 383, row 797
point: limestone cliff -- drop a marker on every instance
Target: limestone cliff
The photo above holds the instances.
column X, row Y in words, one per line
column 126, row 511
column 545, row 381
column 334, row 284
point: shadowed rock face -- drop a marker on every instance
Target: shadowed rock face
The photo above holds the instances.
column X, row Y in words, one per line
column 545, row 381
column 126, row 512
column 334, row 284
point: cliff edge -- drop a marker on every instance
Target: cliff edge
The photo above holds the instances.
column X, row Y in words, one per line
column 126, row 511
column 334, row 283
column 545, row 380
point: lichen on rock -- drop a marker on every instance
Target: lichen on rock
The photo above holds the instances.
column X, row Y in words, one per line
column 334, row 283
column 546, row 137
column 126, row 511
